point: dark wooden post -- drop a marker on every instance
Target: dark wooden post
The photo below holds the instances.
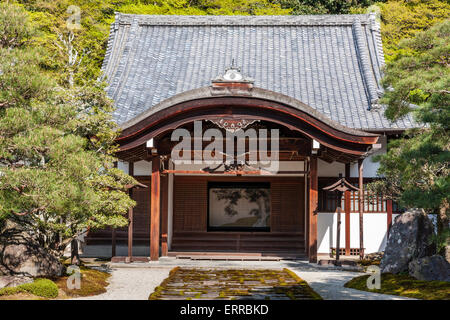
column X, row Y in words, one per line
column 313, row 199
column 113, row 233
column 130, row 217
column 338, row 229
column 164, row 213
column 307, row 205
column 341, row 186
column 389, row 215
column 74, row 255
column 361, row 207
column 155, row 210
column 347, row 211
column 113, row 243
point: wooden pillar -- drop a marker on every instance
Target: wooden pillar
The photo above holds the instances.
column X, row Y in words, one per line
column 347, row 211
column 155, row 210
column 113, row 233
column 389, row 215
column 361, row 207
column 130, row 234
column 164, row 213
column 130, row 218
column 313, row 202
column 113, row 242
column 307, row 186
column 74, row 253
column 338, row 229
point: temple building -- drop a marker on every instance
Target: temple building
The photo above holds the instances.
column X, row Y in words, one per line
column 235, row 124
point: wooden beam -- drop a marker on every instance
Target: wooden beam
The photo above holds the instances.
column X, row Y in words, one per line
column 361, row 207
column 347, row 212
column 130, row 218
column 239, row 172
column 164, row 214
column 213, row 108
column 313, row 206
column 234, row 172
column 155, row 210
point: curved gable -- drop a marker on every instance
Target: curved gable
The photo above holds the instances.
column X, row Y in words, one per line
column 214, row 103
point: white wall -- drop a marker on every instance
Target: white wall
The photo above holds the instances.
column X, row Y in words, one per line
column 123, row 166
column 370, row 168
column 325, row 169
column 375, row 231
column 326, row 231
column 143, row 168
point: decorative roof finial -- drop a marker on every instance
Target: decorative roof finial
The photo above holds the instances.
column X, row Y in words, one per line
column 232, row 74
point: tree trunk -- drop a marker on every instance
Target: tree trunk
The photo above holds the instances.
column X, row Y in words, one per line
column 74, row 256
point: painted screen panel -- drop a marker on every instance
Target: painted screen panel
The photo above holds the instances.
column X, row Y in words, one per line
column 239, row 207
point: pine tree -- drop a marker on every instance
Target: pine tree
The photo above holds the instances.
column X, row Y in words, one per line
column 57, row 177
column 417, row 166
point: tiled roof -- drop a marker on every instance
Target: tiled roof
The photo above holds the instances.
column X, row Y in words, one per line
column 329, row 62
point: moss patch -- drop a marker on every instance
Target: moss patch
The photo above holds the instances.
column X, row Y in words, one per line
column 44, row 288
column 232, row 284
column 366, row 262
column 93, row 282
column 405, row 285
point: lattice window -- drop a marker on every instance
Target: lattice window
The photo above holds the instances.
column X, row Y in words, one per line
column 353, row 251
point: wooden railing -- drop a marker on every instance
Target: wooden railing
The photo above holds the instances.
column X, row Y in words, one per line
column 373, row 203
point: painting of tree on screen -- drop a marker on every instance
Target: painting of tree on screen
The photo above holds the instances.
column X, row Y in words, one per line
column 240, row 207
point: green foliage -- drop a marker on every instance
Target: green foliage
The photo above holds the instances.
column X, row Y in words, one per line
column 405, row 285
column 420, row 75
column 40, row 287
column 57, row 176
column 14, row 31
column 56, row 132
column 402, row 19
column 20, row 83
column 416, row 167
column 324, row 6
column 203, row 7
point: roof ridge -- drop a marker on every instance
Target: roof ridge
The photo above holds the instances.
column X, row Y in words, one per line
column 241, row 20
column 364, row 62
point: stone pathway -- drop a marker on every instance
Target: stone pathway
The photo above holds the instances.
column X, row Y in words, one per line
column 137, row 281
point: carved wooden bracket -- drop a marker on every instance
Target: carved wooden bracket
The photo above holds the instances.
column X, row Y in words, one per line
column 233, row 125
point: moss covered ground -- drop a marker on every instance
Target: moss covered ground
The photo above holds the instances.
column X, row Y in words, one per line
column 39, row 288
column 233, row 284
column 93, row 282
column 406, row 286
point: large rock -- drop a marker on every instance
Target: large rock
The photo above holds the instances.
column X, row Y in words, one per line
column 409, row 239
column 430, row 268
column 21, row 254
column 13, row 281
column 447, row 253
